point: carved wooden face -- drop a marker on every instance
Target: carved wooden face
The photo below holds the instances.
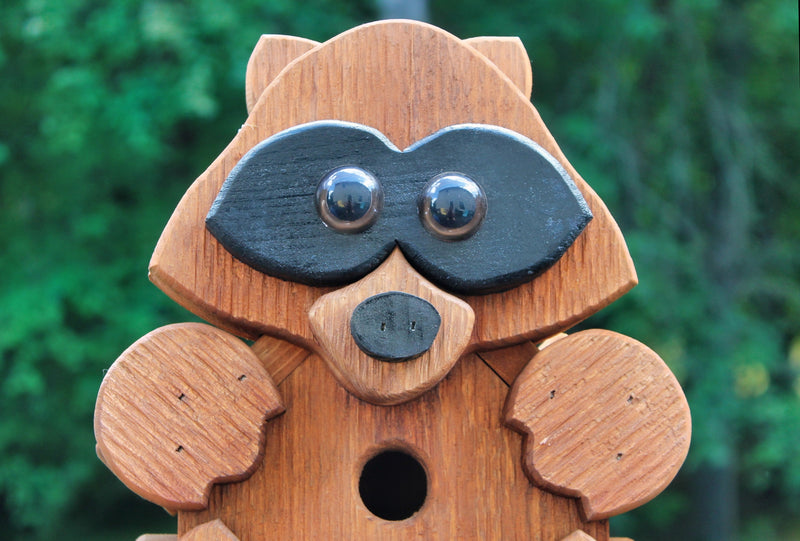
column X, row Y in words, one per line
column 327, row 276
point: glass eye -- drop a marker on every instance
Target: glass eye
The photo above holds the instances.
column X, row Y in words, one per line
column 452, row 206
column 349, row 199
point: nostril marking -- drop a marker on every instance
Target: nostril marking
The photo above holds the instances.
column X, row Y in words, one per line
column 394, row 326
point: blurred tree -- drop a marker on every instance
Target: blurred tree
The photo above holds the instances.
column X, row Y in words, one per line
column 684, row 116
column 403, row 9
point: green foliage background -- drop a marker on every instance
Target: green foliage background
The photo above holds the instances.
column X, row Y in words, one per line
column 683, row 115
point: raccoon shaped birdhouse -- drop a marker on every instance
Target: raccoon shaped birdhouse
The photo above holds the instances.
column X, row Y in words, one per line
column 402, row 244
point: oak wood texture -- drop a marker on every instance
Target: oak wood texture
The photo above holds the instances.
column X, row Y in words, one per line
column 509, row 361
column 376, row 381
column 271, row 54
column 579, row 535
column 508, row 54
column 551, row 340
column 182, row 408
column 408, row 80
column 604, row 419
column 210, row 531
column 279, row 357
column 307, row 485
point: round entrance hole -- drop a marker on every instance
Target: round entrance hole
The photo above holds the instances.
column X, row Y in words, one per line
column 393, row 485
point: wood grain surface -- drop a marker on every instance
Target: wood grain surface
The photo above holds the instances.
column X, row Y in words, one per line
column 210, row 531
column 408, row 80
column 604, row 419
column 579, row 535
column 182, row 408
column 307, row 486
column 376, row 381
column 279, row 357
column 509, row 361
column 271, row 54
column 508, row 54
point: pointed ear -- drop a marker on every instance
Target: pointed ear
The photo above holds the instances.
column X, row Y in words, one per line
column 508, row 54
column 272, row 53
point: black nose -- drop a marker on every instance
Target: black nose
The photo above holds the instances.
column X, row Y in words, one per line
column 394, row 326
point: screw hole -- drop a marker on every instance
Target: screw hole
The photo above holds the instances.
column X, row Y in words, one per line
column 393, row 485
column 242, row 377
column 179, row 449
column 630, row 399
column 619, row 456
column 552, row 394
column 181, row 397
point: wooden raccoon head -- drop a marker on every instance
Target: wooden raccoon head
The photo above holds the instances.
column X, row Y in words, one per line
column 255, row 247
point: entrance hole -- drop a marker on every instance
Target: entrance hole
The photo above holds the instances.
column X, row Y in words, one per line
column 393, row 485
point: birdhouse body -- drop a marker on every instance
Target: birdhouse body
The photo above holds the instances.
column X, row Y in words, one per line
column 396, row 229
column 308, row 484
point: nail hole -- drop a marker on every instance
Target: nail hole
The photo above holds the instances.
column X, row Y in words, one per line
column 243, row 377
column 179, row 449
column 182, row 396
column 383, row 325
column 630, row 399
column 619, row 456
column 552, row 394
column 413, row 326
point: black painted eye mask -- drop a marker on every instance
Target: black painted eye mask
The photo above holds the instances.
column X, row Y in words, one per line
column 474, row 208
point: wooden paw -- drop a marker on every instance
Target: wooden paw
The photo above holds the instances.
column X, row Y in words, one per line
column 181, row 409
column 604, row 419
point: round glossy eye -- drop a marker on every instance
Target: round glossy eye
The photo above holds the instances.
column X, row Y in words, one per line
column 452, row 206
column 349, row 199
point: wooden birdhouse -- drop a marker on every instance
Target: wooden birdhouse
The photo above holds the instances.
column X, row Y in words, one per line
column 400, row 237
